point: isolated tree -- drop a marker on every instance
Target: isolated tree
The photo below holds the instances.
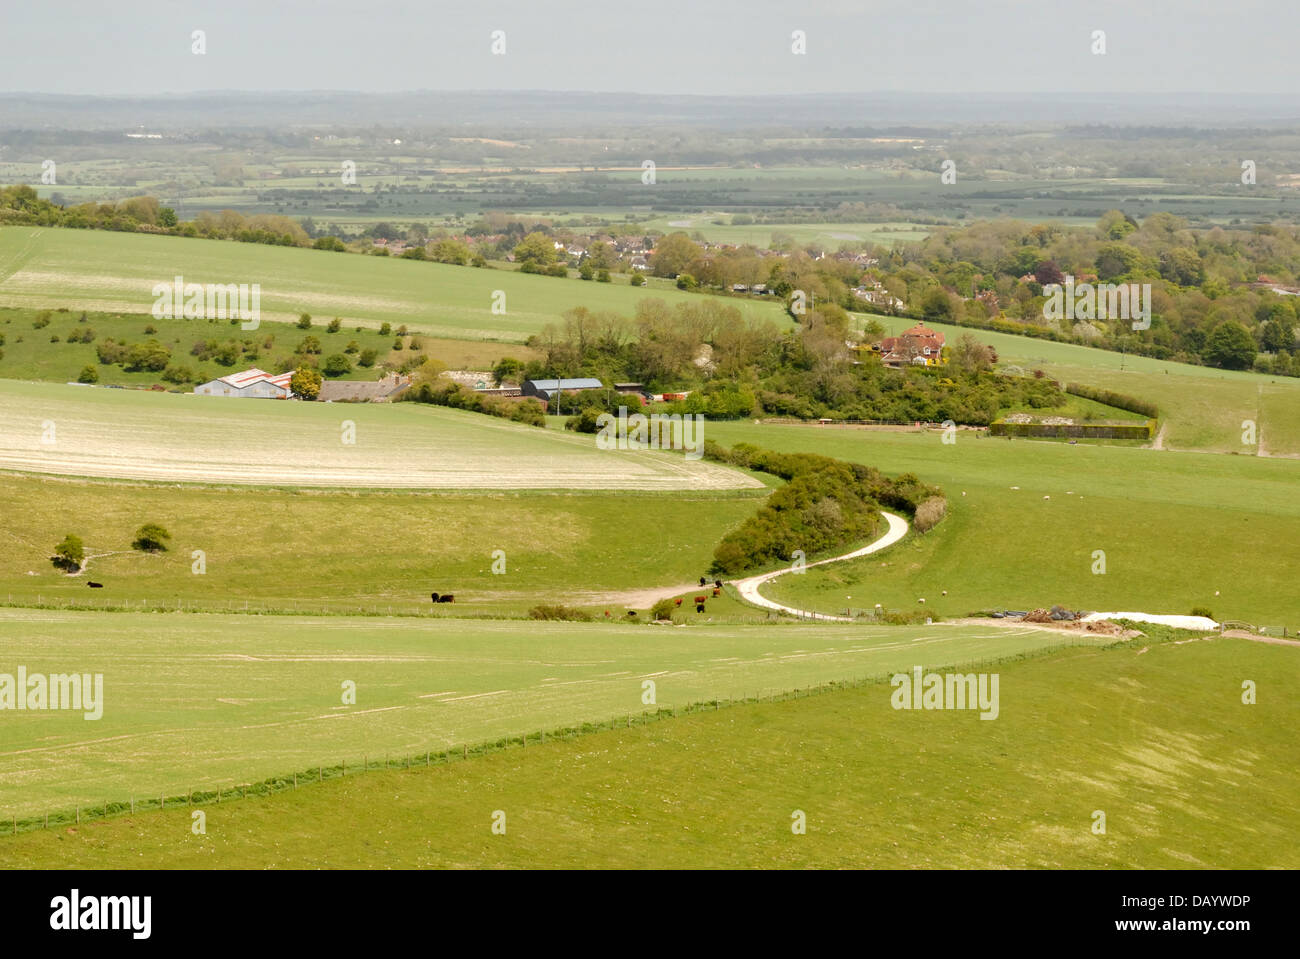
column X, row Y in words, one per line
column 69, row 554
column 367, row 358
column 334, row 325
column 970, row 355
column 535, row 252
column 336, row 364
column 304, row 321
column 507, row 369
column 673, row 254
column 637, row 279
column 305, row 383
column 88, row 375
column 1230, row 346
column 151, row 538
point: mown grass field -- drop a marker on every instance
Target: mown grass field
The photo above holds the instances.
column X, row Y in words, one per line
column 1155, row 737
column 131, row 434
column 115, row 272
column 199, row 700
column 1178, row 529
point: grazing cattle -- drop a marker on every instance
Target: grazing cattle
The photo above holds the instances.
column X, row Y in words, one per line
column 446, row 598
column 95, row 585
column 718, row 583
column 434, row 597
column 717, row 592
column 631, row 612
column 700, row 599
column 699, row 607
column 702, row 581
column 678, row 601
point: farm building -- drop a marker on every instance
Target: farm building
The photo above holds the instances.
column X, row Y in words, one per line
column 360, row 391
column 255, row 383
column 545, row 389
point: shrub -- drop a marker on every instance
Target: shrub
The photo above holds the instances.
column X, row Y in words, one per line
column 336, row 364
column 334, row 325
column 637, row 279
column 367, row 358
column 930, row 513
column 555, row 611
column 305, row 383
column 385, row 329
column 151, row 538
column 304, row 321
column 1111, row 398
column 1202, row 611
column 663, row 609
column 68, row 555
column 88, row 375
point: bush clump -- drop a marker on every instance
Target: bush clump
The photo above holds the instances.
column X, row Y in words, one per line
column 557, row 611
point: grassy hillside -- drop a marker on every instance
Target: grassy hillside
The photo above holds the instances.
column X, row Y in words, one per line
column 1176, row 528
column 115, row 272
column 196, row 701
column 30, row 353
column 135, row 434
column 276, row 549
column 1082, row 731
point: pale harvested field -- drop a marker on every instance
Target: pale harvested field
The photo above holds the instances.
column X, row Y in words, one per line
column 168, row 437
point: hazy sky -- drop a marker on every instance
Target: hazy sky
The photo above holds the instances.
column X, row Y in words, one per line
column 656, row 46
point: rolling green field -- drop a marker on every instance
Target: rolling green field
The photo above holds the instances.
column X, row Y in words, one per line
column 115, row 272
column 384, row 551
column 133, row 434
column 1178, row 529
column 198, row 700
column 1155, row 737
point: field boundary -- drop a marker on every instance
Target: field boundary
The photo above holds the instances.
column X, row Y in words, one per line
column 445, row 755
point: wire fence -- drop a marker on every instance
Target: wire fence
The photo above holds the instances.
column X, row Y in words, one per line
column 447, row 755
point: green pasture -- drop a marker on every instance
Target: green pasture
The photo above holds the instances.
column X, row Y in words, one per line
column 1153, row 736
column 197, row 700
column 1178, row 529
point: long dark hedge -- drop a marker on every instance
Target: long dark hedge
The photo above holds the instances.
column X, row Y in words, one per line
column 1121, row 401
column 826, row 503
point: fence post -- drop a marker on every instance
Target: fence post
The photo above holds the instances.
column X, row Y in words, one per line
column 78, row 815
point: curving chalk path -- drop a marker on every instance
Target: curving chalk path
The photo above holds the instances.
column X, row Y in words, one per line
column 749, row 587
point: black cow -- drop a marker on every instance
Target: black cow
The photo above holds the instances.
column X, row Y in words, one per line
column 95, row 585
column 631, row 612
column 699, row 607
column 447, row 598
column 702, row 580
column 718, row 583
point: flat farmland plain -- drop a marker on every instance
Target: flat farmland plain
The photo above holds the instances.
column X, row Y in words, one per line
column 196, row 701
column 92, row 432
column 115, row 272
